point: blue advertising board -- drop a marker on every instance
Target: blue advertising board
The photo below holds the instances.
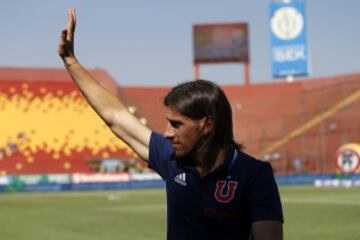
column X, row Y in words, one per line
column 288, row 39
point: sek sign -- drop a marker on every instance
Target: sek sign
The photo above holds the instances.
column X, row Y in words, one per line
column 289, row 54
column 288, row 40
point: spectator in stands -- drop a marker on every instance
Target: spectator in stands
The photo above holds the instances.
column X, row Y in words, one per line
column 214, row 190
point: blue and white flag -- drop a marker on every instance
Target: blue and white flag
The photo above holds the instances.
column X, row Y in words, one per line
column 288, row 39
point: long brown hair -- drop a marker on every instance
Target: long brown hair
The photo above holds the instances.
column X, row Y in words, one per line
column 197, row 100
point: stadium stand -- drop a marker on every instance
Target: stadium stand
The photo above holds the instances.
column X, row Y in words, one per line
column 311, row 118
column 47, row 126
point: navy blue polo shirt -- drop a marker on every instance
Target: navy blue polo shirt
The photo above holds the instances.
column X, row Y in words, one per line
column 221, row 205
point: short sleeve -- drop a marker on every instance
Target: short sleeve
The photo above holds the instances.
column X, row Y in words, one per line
column 160, row 151
column 264, row 197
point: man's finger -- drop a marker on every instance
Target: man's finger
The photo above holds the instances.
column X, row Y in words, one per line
column 74, row 18
column 70, row 25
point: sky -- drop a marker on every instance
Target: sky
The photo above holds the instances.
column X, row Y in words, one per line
column 149, row 43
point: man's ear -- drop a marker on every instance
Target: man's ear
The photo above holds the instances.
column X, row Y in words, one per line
column 208, row 125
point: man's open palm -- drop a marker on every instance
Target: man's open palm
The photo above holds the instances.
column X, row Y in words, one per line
column 66, row 45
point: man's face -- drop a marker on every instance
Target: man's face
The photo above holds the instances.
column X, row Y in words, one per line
column 183, row 132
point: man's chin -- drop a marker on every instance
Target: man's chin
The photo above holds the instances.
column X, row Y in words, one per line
column 179, row 154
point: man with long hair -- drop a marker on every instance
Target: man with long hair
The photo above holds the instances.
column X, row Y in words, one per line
column 214, row 190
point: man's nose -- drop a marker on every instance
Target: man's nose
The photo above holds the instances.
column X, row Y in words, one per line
column 169, row 132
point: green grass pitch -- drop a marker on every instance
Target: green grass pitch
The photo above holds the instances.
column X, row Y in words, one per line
column 310, row 213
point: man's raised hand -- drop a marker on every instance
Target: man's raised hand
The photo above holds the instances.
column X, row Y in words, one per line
column 66, row 45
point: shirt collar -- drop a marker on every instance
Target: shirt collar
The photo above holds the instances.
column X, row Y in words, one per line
column 230, row 159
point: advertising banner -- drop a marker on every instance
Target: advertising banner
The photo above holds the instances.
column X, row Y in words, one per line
column 100, row 178
column 29, row 179
column 4, row 181
column 36, row 183
column 144, row 176
column 289, row 53
column 59, row 178
column 221, row 43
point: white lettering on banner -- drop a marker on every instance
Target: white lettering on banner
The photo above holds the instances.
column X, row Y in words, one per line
column 59, row 178
column 336, row 183
column 289, row 53
column 100, row 178
column 144, row 176
column 31, row 179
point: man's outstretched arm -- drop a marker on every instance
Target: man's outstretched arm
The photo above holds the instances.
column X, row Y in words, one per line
column 107, row 105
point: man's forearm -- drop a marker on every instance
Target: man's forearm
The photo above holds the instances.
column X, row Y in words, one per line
column 106, row 104
column 102, row 101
